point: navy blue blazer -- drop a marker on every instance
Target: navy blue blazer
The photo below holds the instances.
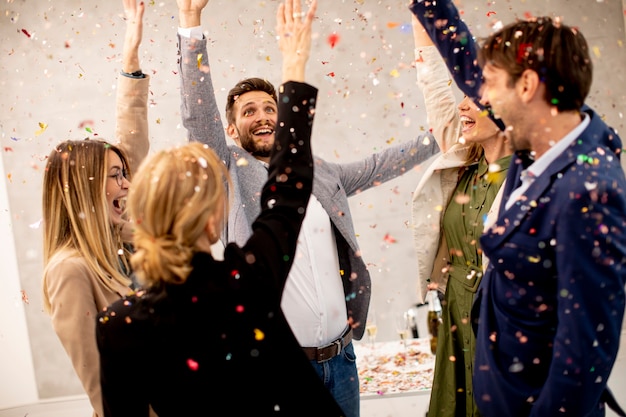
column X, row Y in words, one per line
column 552, row 300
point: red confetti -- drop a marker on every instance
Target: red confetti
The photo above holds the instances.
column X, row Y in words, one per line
column 389, row 239
column 85, row 123
column 8, row 149
column 489, row 14
column 330, row 74
column 528, row 15
column 239, row 309
column 25, row 32
column 193, row 365
column 333, row 39
column 523, row 51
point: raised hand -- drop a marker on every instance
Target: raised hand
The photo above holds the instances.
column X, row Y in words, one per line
column 134, row 32
column 190, row 12
column 293, row 30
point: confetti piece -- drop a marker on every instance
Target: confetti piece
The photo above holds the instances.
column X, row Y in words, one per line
column 25, row 32
column 239, row 309
column 489, row 14
column 8, row 149
column 333, row 39
column 25, row 297
column 596, row 51
column 258, row 334
column 330, row 74
column 389, row 239
column 242, row 162
column 392, row 25
column 85, row 123
column 193, row 365
column 199, row 59
column 394, row 73
column 42, row 128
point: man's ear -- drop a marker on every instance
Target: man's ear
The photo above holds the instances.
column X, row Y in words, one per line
column 231, row 131
column 528, row 86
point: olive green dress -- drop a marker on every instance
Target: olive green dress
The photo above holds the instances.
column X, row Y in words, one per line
column 462, row 226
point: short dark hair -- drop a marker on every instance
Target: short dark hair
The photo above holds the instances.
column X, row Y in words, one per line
column 557, row 52
column 244, row 86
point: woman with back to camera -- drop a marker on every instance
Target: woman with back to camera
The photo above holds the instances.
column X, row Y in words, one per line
column 208, row 336
column 458, row 194
column 86, row 232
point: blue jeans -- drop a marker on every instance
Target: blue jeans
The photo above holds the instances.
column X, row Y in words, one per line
column 341, row 378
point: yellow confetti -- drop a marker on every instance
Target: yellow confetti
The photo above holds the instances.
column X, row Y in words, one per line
column 242, row 162
column 258, row 334
column 199, row 60
column 42, row 128
column 394, row 73
column 596, row 51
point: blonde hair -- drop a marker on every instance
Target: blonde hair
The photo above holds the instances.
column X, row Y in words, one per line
column 75, row 210
column 174, row 193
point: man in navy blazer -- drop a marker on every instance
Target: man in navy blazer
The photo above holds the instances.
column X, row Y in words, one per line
column 552, row 301
column 551, row 304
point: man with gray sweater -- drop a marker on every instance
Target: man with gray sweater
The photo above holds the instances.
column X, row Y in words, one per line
column 327, row 295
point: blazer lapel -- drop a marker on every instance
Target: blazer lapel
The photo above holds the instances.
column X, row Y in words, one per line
column 510, row 220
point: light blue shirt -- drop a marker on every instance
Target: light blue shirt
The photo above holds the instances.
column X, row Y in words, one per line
column 542, row 163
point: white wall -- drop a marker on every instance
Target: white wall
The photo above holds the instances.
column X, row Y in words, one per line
column 65, row 72
column 17, row 384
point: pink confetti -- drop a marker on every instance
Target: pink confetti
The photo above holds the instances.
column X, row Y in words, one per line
column 193, row 365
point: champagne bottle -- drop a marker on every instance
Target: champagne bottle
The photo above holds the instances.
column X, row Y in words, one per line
column 434, row 318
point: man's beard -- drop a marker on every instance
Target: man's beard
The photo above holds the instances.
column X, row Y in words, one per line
column 248, row 143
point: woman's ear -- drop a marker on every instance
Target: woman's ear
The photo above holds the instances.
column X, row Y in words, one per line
column 212, row 229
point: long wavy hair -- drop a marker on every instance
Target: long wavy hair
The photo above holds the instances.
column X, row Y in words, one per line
column 174, row 193
column 75, row 210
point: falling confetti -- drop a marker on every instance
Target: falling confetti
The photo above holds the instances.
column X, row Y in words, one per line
column 193, row 365
column 333, row 38
column 42, row 128
column 258, row 334
column 389, row 239
column 25, row 32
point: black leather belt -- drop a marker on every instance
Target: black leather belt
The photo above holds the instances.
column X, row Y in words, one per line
column 324, row 353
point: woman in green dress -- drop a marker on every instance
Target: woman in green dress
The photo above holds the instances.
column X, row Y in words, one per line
column 457, row 195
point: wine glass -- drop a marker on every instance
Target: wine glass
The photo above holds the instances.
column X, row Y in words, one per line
column 403, row 327
column 371, row 327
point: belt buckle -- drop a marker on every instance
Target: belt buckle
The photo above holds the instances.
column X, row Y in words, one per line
column 337, row 343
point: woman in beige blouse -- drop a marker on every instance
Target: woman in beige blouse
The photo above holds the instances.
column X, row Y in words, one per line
column 86, row 232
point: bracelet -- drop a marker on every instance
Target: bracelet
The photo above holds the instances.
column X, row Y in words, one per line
column 136, row 74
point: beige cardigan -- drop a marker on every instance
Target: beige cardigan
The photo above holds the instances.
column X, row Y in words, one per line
column 76, row 294
column 438, row 181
